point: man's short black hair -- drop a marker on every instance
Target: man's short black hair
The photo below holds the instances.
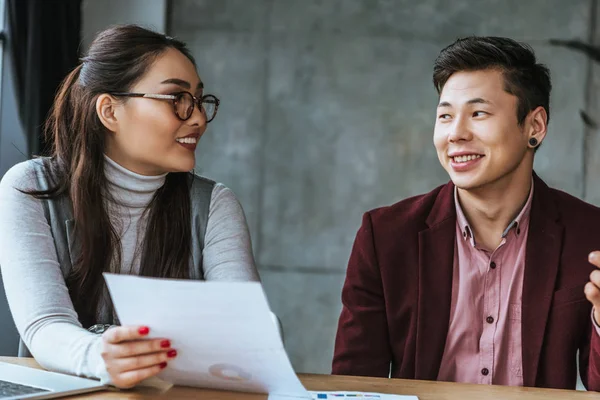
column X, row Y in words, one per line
column 524, row 78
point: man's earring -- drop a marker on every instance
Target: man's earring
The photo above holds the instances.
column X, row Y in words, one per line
column 533, row 142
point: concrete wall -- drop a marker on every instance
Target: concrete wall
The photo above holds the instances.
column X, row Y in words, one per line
column 97, row 15
column 328, row 111
column 12, row 145
column 13, row 149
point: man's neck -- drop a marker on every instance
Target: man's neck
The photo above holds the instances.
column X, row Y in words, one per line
column 490, row 209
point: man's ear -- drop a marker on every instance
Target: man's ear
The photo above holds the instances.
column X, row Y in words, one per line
column 538, row 125
column 106, row 106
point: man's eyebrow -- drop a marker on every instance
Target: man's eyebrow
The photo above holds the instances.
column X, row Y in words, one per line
column 479, row 100
column 476, row 100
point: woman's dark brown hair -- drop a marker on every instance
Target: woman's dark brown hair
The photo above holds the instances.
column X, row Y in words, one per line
column 117, row 59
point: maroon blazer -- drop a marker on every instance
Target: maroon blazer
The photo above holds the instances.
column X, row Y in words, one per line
column 397, row 293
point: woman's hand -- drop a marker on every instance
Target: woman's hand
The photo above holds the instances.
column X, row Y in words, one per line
column 130, row 358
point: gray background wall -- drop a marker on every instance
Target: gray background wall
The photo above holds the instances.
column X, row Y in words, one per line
column 328, row 111
column 12, row 143
column 97, row 15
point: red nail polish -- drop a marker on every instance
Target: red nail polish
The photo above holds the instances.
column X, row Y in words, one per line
column 165, row 344
column 144, row 330
column 171, row 353
column 163, row 365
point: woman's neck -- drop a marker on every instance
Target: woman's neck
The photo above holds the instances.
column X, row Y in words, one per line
column 129, row 188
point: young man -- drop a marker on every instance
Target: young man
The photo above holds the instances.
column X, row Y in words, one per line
column 481, row 280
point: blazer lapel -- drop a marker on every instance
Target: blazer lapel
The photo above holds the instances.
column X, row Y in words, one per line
column 541, row 267
column 436, row 259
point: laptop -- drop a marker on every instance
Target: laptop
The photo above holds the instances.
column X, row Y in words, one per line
column 18, row 382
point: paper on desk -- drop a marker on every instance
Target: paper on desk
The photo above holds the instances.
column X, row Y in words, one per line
column 223, row 332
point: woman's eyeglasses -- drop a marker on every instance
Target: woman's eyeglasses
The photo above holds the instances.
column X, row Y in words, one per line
column 183, row 103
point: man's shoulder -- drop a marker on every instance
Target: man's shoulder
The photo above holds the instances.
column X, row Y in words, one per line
column 410, row 213
column 572, row 208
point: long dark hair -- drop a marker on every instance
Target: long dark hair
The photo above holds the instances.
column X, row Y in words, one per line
column 117, row 59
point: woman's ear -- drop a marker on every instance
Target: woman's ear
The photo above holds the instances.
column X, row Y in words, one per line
column 106, row 106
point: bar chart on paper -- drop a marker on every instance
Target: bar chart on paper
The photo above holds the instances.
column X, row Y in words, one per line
column 359, row 396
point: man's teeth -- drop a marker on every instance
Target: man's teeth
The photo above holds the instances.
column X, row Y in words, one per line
column 462, row 159
column 189, row 140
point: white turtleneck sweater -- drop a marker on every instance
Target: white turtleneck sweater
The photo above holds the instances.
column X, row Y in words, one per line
column 34, row 285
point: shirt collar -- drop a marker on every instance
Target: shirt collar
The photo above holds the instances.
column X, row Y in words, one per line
column 521, row 219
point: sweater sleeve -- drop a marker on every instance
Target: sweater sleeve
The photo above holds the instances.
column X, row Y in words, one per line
column 35, row 288
column 228, row 248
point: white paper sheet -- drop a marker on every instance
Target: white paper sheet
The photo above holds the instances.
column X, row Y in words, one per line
column 223, row 332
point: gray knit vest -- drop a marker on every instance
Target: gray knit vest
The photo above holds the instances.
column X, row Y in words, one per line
column 59, row 214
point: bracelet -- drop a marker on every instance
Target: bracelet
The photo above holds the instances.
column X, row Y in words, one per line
column 99, row 328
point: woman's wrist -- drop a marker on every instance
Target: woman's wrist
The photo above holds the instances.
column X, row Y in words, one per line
column 99, row 328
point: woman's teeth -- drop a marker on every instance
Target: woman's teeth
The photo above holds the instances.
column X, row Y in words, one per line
column 189, row 140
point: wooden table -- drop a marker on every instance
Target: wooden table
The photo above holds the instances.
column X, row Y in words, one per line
column 425, row 390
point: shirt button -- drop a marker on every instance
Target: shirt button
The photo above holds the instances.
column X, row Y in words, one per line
column 489, row 319
column 493, row 265
column 485, row 372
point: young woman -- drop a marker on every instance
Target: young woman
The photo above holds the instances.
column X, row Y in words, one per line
column 116, row 195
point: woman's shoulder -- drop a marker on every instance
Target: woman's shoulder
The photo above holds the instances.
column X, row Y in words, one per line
column 23, row 175
column 201, row 180
column 201, row 184
column 217, row 194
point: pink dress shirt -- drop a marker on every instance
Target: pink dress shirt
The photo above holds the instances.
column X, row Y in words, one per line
column 483, row 344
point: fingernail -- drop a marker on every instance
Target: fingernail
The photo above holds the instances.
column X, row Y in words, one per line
column 144, row 330
column 592, row 257
column 163, row 365
column 171, row 353
column 165, row 344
